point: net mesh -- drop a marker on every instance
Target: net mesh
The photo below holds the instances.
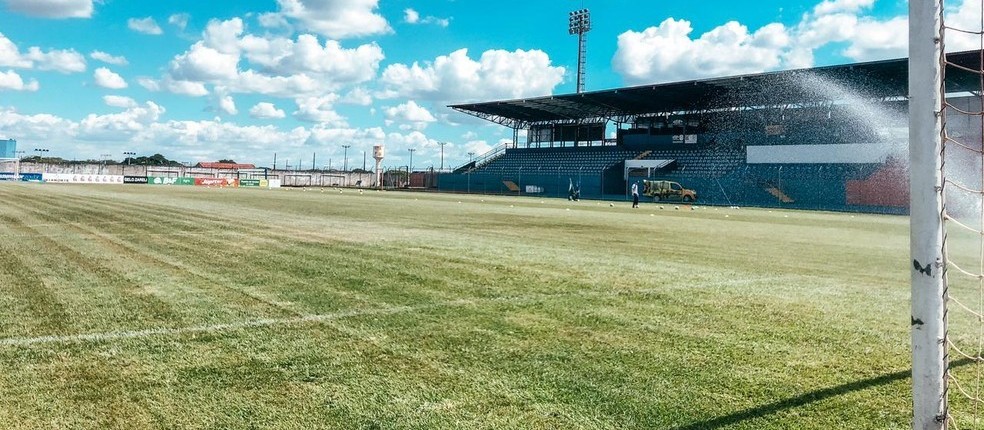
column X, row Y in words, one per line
column 962, row 118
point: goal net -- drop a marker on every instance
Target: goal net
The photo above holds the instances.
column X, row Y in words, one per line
column 946, row 114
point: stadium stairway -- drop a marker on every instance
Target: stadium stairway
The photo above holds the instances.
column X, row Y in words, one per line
column 511, row 186
column 777, row 193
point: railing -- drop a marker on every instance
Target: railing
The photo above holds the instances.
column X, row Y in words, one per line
column 487, row 157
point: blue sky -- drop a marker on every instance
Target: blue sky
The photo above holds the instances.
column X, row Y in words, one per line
column 203, row 80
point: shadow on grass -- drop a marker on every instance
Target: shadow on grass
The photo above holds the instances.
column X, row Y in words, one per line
column 804, row 399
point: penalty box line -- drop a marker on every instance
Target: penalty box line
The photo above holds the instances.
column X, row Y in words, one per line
column 322, row 318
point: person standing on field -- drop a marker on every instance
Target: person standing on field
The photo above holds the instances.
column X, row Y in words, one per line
column 635, row 195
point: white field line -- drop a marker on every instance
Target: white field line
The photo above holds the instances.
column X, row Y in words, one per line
column 323, row 318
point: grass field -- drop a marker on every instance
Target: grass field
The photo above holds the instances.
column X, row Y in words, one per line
column 186, row 307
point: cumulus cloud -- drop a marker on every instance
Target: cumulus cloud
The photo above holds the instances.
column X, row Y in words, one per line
column 107, row 79
column 265, row 110
column 357, row 96
column 319, row 110
column 38, row 127
column 409, row 113
column 52, row 8
column 225, row 103
column 108, row 59
column 10, row 80
column 120, row 126
column 64, row 61
column 145, row 25
column 119, row 101
column 667, row 52
column 671, row 50
column 187, row 88
column 337, row 19
column 457, row 77
column 270, row 65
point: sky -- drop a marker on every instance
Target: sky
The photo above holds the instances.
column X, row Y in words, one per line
column 247, row 79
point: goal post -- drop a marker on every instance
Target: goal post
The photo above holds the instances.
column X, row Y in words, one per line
column 928, row 322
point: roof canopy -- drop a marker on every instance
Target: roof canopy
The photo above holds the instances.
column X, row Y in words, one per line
column 875, row 80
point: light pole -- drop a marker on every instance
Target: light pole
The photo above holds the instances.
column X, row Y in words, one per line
column 345, row 156
column 129, row 158
column 442, row 154
column 471, row 157
column 41, row 151
column 410, row 166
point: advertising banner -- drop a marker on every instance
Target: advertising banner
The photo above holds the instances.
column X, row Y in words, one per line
column 78, row 178
column 274, row 183
column 32, row 177
column 159, row 180
column 216, row 182
column 9, row 176
column 264, row 183
column 135, row 180
column 249, row 183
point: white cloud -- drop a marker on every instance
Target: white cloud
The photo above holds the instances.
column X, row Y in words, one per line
column 670, row 52
column 108, row 59
column 179, row 20
column 838, row 6
column 119, row 101
column 411, row 16
column 337, row 18
column 357, row 96
column 477, row 147
column 120, row 126
column 10, row 80
column 965, row 16
column 149, row 84
column 666, row 52
column 52, row 8
column 319, row 110
column 225, row 103
column 410, row 113
column 187, row 88
column 336, row 64
column 265, row 110
column 457, row 77
column 39, row 127
column 107, row 79
column 144, row 25
column 203, row 63
column 64, row 61
column 283, row 67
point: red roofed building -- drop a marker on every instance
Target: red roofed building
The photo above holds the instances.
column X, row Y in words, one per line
column 228, row 166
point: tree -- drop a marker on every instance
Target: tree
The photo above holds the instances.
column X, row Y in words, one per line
column 227, row 161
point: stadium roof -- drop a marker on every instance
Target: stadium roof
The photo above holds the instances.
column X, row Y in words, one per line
column 875, row 80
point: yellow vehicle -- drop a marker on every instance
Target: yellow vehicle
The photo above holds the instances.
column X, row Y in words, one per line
column 667, row 190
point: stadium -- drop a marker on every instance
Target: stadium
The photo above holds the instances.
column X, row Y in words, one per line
column 828, row 138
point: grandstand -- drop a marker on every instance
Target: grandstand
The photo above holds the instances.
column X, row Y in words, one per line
column 829, row 138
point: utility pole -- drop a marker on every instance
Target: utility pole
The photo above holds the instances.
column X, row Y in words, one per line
column 442, row 154
column 345, row 156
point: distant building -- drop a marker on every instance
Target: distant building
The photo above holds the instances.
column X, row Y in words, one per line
column 226, row 166
column 8, row 148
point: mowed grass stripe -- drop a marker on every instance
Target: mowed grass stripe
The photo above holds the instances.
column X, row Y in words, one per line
column 589, row 318
column 128, row 257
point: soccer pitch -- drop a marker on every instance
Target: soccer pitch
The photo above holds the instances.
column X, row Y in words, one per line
column 188, row 307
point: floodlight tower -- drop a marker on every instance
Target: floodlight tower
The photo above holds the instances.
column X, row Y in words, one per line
column 580, row 24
